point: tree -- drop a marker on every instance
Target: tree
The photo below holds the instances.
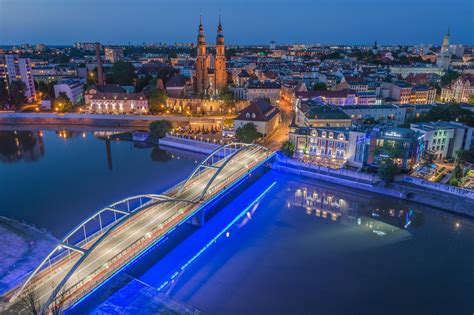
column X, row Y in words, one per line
column 451, row 112
column 387, row 170
column 288, row 148
column 463, row 156
column 3, row 93
column 449, row 77
column 248, row 133
column 428, row 157
column 122, row 73
column 29, row 300
column 320, row 86
column 228, row 97
column 159, row 128
column 143, row 82
column 471, row 100
column 62, row 103
column 157, row 101
column 17, row 93
column 456, row 176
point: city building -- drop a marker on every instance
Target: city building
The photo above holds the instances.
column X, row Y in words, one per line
column 357, row 146
column 422, row 94
column 380, row 113
column 53, row 72
column 176, row 86
column 113, row 54
column 256, row 89
column 330, row 147
column 444, row 139
column 211, row 72
column 403, row 146
column 72, row 88
column 401, row 92
column 339, row 98
column 119, row 103
column 106, row 88
column 13, row 68
column 444, row 57
column 262, row 114
column 460, row 90
column 310, row 113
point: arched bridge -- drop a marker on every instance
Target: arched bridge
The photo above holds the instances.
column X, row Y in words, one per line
column 111, row 238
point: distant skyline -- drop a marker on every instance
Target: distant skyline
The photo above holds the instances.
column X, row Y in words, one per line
column 358, row 22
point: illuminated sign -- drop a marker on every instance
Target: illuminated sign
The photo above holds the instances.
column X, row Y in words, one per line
column 393, row 134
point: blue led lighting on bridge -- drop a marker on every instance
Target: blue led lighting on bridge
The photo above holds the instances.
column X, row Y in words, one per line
column 206, row 205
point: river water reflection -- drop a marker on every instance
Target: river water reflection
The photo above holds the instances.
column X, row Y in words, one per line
column 54, row 179
column 285, row 245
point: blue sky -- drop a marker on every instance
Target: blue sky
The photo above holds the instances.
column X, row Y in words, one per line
column 244, row 21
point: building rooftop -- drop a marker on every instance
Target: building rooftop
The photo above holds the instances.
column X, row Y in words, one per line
column 315, row 111
column 254, row 84
column 258, row 110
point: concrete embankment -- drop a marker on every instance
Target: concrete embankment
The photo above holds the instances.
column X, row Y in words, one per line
column 104, row 120
column 188, row 144
column 368, row 182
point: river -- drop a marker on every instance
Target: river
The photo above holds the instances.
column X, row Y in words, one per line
column 283, row 245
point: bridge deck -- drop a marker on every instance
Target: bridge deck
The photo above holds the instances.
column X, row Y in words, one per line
column 157, row 218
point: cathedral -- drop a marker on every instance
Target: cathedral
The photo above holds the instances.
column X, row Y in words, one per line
column 211, row 72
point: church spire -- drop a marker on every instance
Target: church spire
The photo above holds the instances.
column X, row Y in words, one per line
column 201, row 38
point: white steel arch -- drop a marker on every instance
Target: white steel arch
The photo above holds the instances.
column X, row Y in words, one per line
column 217, row 160
column 84, row 249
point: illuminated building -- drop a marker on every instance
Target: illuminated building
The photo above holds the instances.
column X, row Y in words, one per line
column 13, row 68
column 211, row 72
column 113, row 54
column 459, row 90
column 72, row 88
column 312, row 114
column 331, row 147
column 444, row 139
column 444, row 57
column 262, row 114
column 256, row 89
column 119, row 103
column 403, row 146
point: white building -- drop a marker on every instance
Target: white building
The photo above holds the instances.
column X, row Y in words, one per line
column 444, row 57
column 13, row 68
column 444, row 139
column 262, row 114
column 119, row 103
column 72, row 88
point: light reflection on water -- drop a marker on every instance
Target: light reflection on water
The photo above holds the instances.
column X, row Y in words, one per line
column 307, row 247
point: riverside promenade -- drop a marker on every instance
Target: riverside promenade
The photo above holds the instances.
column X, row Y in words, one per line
column 103, row 120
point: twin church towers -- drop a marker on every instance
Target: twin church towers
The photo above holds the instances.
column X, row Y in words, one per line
column 211, row 72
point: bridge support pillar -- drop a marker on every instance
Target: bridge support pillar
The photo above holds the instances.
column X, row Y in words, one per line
column 198, row 219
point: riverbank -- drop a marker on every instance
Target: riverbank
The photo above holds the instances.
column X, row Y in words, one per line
column 22, row 247
column 369, row 182
column 127, row 295
column 101, row 120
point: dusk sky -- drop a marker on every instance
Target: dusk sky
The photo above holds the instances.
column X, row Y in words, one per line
column 244, row 21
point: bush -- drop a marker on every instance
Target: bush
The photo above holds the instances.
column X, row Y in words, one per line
column 288, row 148
column 248, row 133
column 159, row 128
